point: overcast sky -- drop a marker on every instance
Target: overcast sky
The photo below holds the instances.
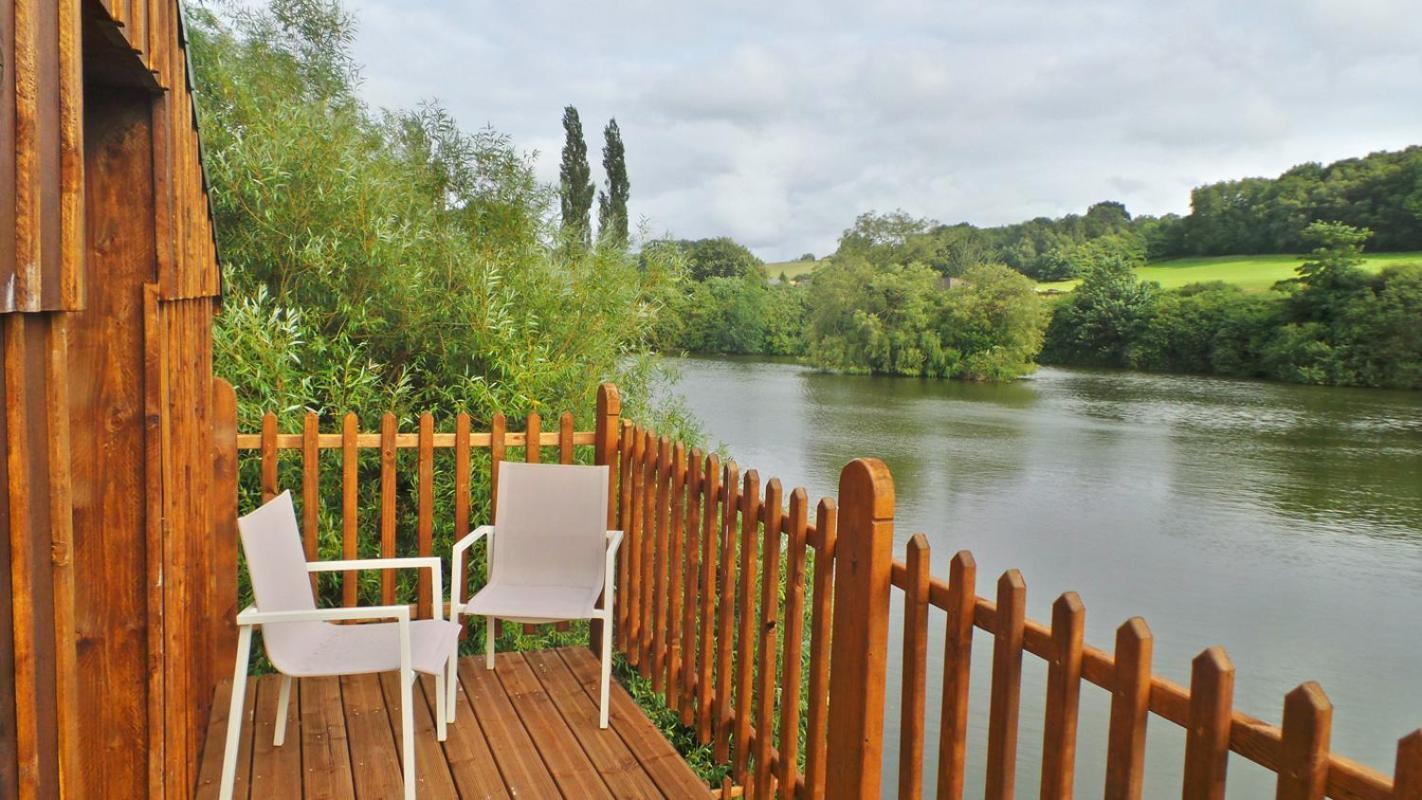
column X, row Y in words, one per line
column 777, row 123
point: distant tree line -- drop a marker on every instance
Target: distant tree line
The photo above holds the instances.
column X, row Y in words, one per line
column 1381, row 192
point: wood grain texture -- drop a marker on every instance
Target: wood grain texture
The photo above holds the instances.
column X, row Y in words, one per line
column 796, row 545
column 858, row 657
column 725, row 614
column 706, row 616
column 957, row 669
column 1130, row 711
column 1006, row 686
column 350, row 464
column 1063, row 698
column 1208, row 732
column 388, row 466
column 746, row 629
column 915, row 668
column 1308, row 721
column 424, row 525
column 821, row 625
column 767, row 639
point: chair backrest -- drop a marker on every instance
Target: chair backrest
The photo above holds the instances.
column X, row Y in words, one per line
column 271, row 541
column 551, row 525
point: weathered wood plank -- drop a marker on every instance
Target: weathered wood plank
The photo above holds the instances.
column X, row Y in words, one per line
column 325, row 752
column 432, row 771
column 660, row 760
column 1207, row 734
column 471, row 765
column 767, row 640
column 859, row 650
column 524, row 772
column 388, row 432
column 1063, row 698
column 570, row 767
column 745, row 635
column 349, row 461
column 374, row 752
column 791, row 662
column 1303, row 768
column 276, row 771
column 1006, row 686
column 957, row 668
column 821, row 624
column 616, row 764
column 915, row 668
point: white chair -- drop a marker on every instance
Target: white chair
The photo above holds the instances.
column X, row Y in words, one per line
column 301, row 640
column 550, row 556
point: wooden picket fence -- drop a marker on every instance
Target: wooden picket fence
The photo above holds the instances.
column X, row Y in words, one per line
column 726, row 601
column 701, row 608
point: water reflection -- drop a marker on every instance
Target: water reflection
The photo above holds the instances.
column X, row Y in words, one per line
column 1267, row 518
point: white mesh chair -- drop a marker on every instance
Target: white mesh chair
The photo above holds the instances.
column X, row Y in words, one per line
column 550, row 556
column 301, row 640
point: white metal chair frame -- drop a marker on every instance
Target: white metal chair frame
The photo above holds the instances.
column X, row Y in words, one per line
column 604, row 613
column 250, row 617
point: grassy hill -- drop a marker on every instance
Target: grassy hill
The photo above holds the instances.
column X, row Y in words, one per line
column 1252, row 273
column 792, row 269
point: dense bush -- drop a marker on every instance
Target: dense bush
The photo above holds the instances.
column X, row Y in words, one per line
column 904, row 320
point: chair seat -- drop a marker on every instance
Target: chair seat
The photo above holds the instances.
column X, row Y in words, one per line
column 534, row 602
column 328, row 649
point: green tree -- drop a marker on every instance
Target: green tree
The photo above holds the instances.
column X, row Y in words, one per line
column 575, row 181
column 721, row 257
column 612, row 201
column 1100, row 321
column 992, row 326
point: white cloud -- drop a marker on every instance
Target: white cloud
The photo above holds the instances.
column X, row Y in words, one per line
column 778, row 123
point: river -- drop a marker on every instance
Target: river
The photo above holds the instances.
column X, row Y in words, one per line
column 1281, row 522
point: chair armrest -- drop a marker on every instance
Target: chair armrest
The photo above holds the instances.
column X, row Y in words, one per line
column 456, row 578
column 430, row 563
column 614, row 541
column 251, row 616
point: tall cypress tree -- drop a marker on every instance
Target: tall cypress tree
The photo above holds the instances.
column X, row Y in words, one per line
column 575, row 183
column 612, row 203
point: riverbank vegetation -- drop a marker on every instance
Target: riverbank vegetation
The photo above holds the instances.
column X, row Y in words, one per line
column 1334, row 323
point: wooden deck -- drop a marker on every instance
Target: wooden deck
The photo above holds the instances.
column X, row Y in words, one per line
column 528, row 729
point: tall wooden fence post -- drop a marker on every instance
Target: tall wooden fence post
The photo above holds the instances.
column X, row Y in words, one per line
column 605, row 432
column 860, row 638
column 224, row 520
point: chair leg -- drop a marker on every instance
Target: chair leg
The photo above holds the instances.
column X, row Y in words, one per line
column 282, row 703
column 606, row 670
column 488, row 642
column 407, row 728
column 234, row 714
column 441, row 721
column 451, row 685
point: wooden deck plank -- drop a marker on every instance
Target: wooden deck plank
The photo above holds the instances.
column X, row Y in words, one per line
column 375, row 766
column 527, row 729
column 471, row 765
column 661, row 761
column 609, row 754
column 210, row 771
column 325, row 752
column 276, row 771
column 431, row 770
column 571, row 769
column 523, row 769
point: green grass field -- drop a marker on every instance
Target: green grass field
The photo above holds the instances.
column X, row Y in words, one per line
column 1251, row 273
column 792, row 269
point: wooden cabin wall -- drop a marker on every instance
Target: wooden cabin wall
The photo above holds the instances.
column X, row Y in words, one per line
column 119, row 596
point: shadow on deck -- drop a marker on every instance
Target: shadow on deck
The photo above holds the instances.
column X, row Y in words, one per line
column 527, row 729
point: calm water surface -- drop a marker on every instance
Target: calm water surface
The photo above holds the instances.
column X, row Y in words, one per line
column 1282, row 522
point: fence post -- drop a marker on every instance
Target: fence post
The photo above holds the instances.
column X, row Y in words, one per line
column 605, row 431
column 860, row 633
column 224, row 520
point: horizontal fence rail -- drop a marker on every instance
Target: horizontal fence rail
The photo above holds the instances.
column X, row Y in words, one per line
column 267, row 446
column 765, row 630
